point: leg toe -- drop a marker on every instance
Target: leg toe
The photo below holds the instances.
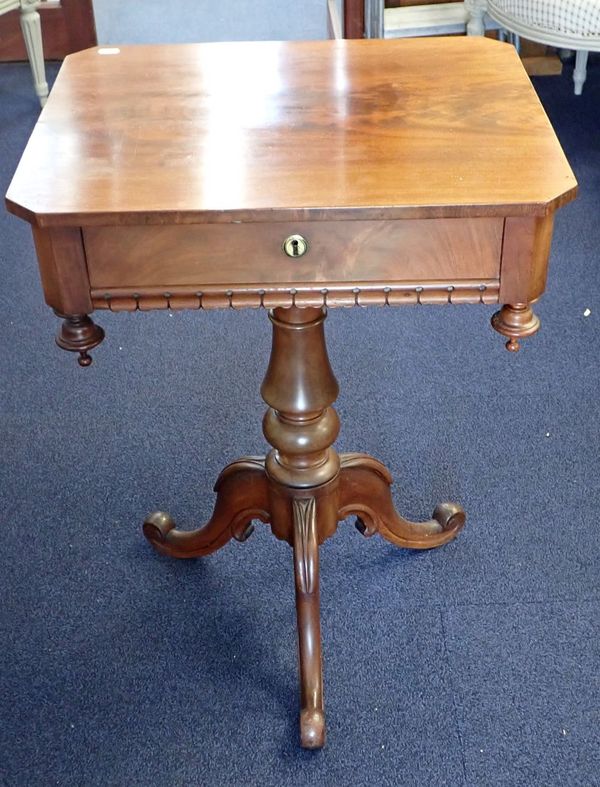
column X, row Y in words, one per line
column 157, row 526
column 312, row 729
column 450, row 517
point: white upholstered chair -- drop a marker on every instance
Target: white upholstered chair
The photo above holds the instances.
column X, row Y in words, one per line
column 567, row 24
column 32, row 33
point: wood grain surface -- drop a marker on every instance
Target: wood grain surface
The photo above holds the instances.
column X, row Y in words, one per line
column 63, row 269
column 290, row 131
column 404, row 250
column 525, row 255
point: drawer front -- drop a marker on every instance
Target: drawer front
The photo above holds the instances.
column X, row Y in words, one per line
column 343, row 252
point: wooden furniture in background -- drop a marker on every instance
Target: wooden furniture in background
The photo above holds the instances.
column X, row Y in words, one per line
column 29, row 20
column 413, row 18
column 404, row 20
column 354, row 18
column 67, row 26
column 557, row 23
column 312, row 175
column 412, row 3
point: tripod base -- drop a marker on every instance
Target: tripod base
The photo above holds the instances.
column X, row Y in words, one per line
column 303, row 518
column 303, row 488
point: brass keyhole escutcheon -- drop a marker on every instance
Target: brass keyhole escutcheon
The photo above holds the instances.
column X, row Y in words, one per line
column 295, row 246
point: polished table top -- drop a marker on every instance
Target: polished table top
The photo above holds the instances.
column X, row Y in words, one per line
column 284, row 131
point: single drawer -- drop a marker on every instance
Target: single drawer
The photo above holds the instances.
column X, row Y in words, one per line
column 338, row 252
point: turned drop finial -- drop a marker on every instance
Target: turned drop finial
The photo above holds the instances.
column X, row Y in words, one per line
column 79, row 333
column 515, row 322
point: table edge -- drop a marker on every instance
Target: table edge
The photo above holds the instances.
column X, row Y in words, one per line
column 346, row 213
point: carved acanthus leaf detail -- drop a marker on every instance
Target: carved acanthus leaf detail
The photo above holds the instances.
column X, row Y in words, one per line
column 305, row 543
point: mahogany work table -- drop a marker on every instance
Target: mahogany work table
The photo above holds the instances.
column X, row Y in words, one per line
column 294, row 177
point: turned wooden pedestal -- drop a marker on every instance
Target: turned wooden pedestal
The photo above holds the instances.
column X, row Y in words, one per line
column 303, row 488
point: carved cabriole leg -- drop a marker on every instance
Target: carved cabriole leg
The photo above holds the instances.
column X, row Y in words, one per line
column 306, row 571
column 242, row 495
column 32, row 34
column 365, row 491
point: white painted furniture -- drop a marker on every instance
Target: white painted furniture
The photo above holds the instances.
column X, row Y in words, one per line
column 422, row 20
column 32, row 33
column 566, row 24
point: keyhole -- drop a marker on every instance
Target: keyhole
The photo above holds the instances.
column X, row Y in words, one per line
column 295, row 246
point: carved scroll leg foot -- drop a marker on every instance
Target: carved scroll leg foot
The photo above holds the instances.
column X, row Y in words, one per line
column 365, row 491
column 306, row 570
column 242, row 495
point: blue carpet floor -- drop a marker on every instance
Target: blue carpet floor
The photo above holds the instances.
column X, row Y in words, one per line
column 476, row 664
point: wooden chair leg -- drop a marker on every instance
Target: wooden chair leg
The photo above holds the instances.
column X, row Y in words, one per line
column 306, row 570
column 32, row 34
